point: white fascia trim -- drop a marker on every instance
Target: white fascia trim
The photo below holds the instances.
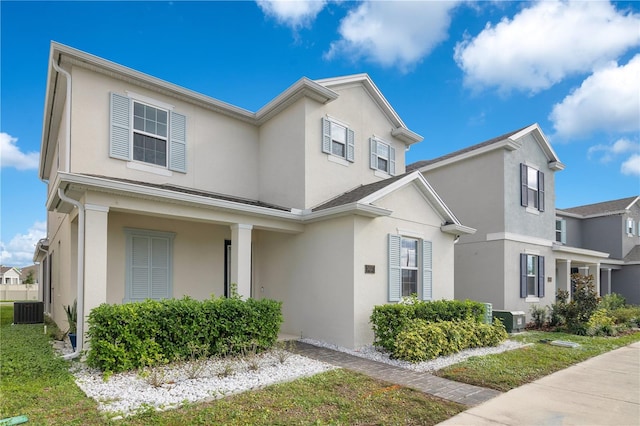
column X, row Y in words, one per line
column 536, row 131
column 564, row 213
column 632, row 203
column 508, row 144
column 406, row 135
column 509, row 236
column 456, row 229
column 357, row 208
column 302, row 87
column 580, row 251
column 175, row 196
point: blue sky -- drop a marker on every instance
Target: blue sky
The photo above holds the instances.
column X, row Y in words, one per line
column 457, row 72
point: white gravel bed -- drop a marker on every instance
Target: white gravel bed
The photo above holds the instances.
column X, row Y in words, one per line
column 170, row 386
column 378, row 354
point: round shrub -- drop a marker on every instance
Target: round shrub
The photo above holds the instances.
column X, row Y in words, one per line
column 601, row 324
column 419, row 341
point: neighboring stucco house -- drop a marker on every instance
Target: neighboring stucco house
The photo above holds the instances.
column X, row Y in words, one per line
column 156, row 191
column 504, row 188
column 10, row 275
column 612, row 227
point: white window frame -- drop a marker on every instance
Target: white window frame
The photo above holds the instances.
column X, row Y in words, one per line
column 142, row 132
column 375, row 145
column 329, row 139
column 562, row 232
column 631, row 227
column 534, row 194
column 424, row 267
column 405, row 258
column 130, row 233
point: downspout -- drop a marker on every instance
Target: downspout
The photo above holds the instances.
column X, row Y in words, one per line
column 67, row 162
column 80, row 292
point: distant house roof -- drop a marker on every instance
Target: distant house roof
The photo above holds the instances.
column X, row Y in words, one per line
column 604, row 208
column 5, row 269
column 633, row 255
column 507, row 141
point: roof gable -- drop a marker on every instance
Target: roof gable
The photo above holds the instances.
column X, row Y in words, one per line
column 510, row 141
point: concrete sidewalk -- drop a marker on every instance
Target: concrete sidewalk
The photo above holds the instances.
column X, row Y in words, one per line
column 604, row 390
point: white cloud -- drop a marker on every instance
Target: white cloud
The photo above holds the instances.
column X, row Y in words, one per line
column 607, row 153
column 19, row 251
column 11, row 156
column 607, row 100
column 393, row 34
column 631, row 166
column 293, row 13
column 545, row 43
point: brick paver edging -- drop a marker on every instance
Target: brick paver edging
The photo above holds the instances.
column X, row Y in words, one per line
column 462, row 393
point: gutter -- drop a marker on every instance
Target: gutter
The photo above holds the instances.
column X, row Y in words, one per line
column 80, row 291
column 67, row 165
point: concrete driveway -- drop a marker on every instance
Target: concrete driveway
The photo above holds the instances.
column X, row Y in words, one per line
column 604, row 390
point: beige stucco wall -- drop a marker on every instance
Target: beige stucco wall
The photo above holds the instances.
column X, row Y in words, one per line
column 62, row 246
column 222, row 154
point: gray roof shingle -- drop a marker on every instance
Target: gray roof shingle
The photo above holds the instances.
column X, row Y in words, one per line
column 358, row 193
column 602, row 208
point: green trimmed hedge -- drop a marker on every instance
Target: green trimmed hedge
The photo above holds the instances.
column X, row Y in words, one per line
column 134, row 335
column 421, row 340
column 388, row 320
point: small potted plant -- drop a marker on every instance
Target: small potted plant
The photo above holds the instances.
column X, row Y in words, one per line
column 72, row 319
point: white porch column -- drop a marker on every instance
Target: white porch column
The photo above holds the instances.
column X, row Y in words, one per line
column 594, row 270
column 241, row 258
column 605, row 282
column 563, row 280
column 95, row 257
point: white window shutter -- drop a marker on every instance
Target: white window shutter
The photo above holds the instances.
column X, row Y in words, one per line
column 326, row 136
column 178, row 143
column 563, row 231
column 350, row 146
column 394, row 268
column 540, row 191
column 119, row 129
column 427, row 270
column 159, row 288
column 373, row 163
column 392, row 161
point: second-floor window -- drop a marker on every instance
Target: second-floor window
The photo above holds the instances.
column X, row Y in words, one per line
column 561, row 231
column 149, row 134
column 383, row 156
column 532, row 187
column 143, row 132
column 337, row 139
column 631, row 225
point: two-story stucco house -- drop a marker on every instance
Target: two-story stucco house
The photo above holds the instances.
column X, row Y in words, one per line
column 156, row 191
column 612, row 227
column 504, row 188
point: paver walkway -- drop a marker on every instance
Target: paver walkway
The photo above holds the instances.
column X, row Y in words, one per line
column 428, row 383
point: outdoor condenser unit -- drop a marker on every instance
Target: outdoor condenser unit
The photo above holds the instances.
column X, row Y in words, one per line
column 514, row 321
column 28, row 312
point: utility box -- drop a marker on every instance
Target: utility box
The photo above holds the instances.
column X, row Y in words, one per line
column 514, row 321
column 28, row 312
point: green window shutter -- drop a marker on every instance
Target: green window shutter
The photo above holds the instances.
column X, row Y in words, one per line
column 524, row 202
column 394, row 268
column 523, row 275
column 178, row 143
column 392, row 161
column 373, row 144
column 326, row 136
column 540, row 191
column 427, row 270
column 350, row 146
column 541, row 276
column 119, row 129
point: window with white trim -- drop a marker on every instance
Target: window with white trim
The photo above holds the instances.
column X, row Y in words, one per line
column 383, row 156
column 561, row 231
column 410, row 267
column 631, row 227
column 531, row 275
column 337, row 139
column 532, row 187
column 141, row 131
column 149, row 259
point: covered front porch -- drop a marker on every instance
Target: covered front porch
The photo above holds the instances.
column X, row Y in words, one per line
column 571, row 260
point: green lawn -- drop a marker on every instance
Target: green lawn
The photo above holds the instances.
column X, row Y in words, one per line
column 515, row 368
column 36, row 383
